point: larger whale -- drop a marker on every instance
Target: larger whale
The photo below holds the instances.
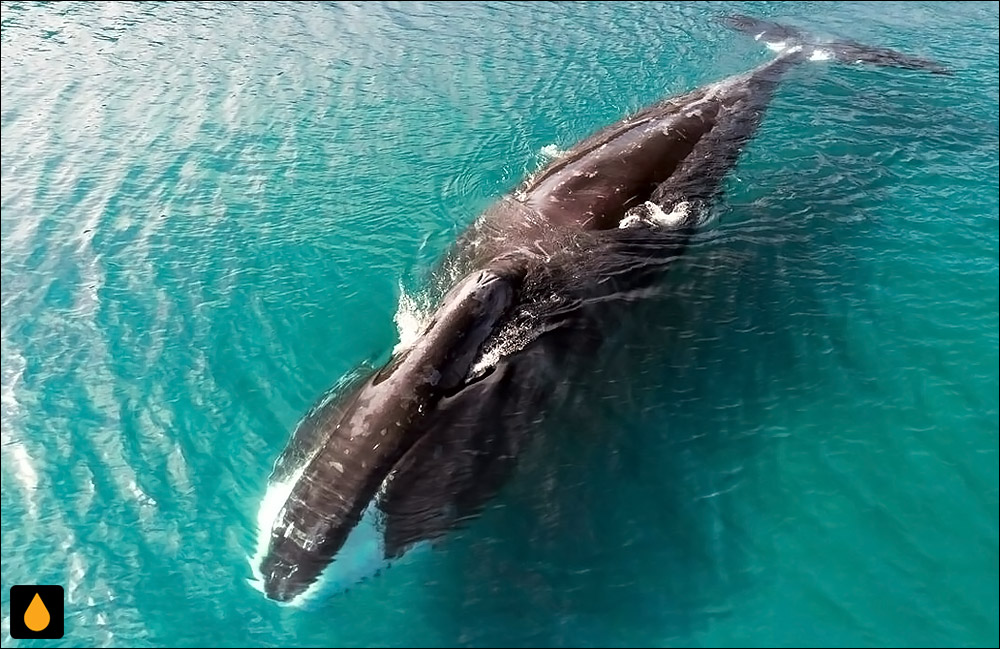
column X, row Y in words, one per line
column 399, row 456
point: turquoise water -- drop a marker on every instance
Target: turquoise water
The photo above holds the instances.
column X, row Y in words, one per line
column 210, row 214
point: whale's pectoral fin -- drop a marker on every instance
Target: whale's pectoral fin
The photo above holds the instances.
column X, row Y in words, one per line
column 847, row 51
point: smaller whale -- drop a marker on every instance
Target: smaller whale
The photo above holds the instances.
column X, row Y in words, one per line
column 396, row 457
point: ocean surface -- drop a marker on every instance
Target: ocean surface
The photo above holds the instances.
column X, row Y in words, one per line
column 211, row 213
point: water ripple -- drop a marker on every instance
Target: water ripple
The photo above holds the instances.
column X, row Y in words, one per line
column 210, row 211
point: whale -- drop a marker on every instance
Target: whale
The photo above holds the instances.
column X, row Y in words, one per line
column 393, row 458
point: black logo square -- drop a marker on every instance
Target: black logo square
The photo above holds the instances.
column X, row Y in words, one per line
column 37, row 612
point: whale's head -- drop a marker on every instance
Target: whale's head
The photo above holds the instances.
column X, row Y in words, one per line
column 345, row 451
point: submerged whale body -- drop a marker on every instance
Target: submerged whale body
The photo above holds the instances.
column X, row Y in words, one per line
column 399, row 456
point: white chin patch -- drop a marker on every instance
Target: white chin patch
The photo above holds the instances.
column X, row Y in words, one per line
column 360, row 559
column 362, row 556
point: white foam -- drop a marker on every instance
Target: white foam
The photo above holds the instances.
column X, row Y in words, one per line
column 14, row 452
column 776, row 46
column 551, row 151
column 270, row 508
column 821, row 55
column 677, row 215
column 411, row 316
column 630, row 221
column 506, row 342
column 362, row 556
column 656, row 215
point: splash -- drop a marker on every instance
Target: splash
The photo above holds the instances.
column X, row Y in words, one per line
column 551, row 152
column 818, row 53
column 361, row 557
column 508, row 341
column 412, row 313
column 652, row 214
column 270, row 508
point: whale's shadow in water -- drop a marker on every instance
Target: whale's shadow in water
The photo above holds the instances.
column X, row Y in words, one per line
column 619, row 518
column 628, row 518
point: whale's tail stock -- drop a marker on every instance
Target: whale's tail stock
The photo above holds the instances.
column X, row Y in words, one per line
column 847, row 51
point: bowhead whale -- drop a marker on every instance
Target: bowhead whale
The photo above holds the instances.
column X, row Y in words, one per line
column 398, row 456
